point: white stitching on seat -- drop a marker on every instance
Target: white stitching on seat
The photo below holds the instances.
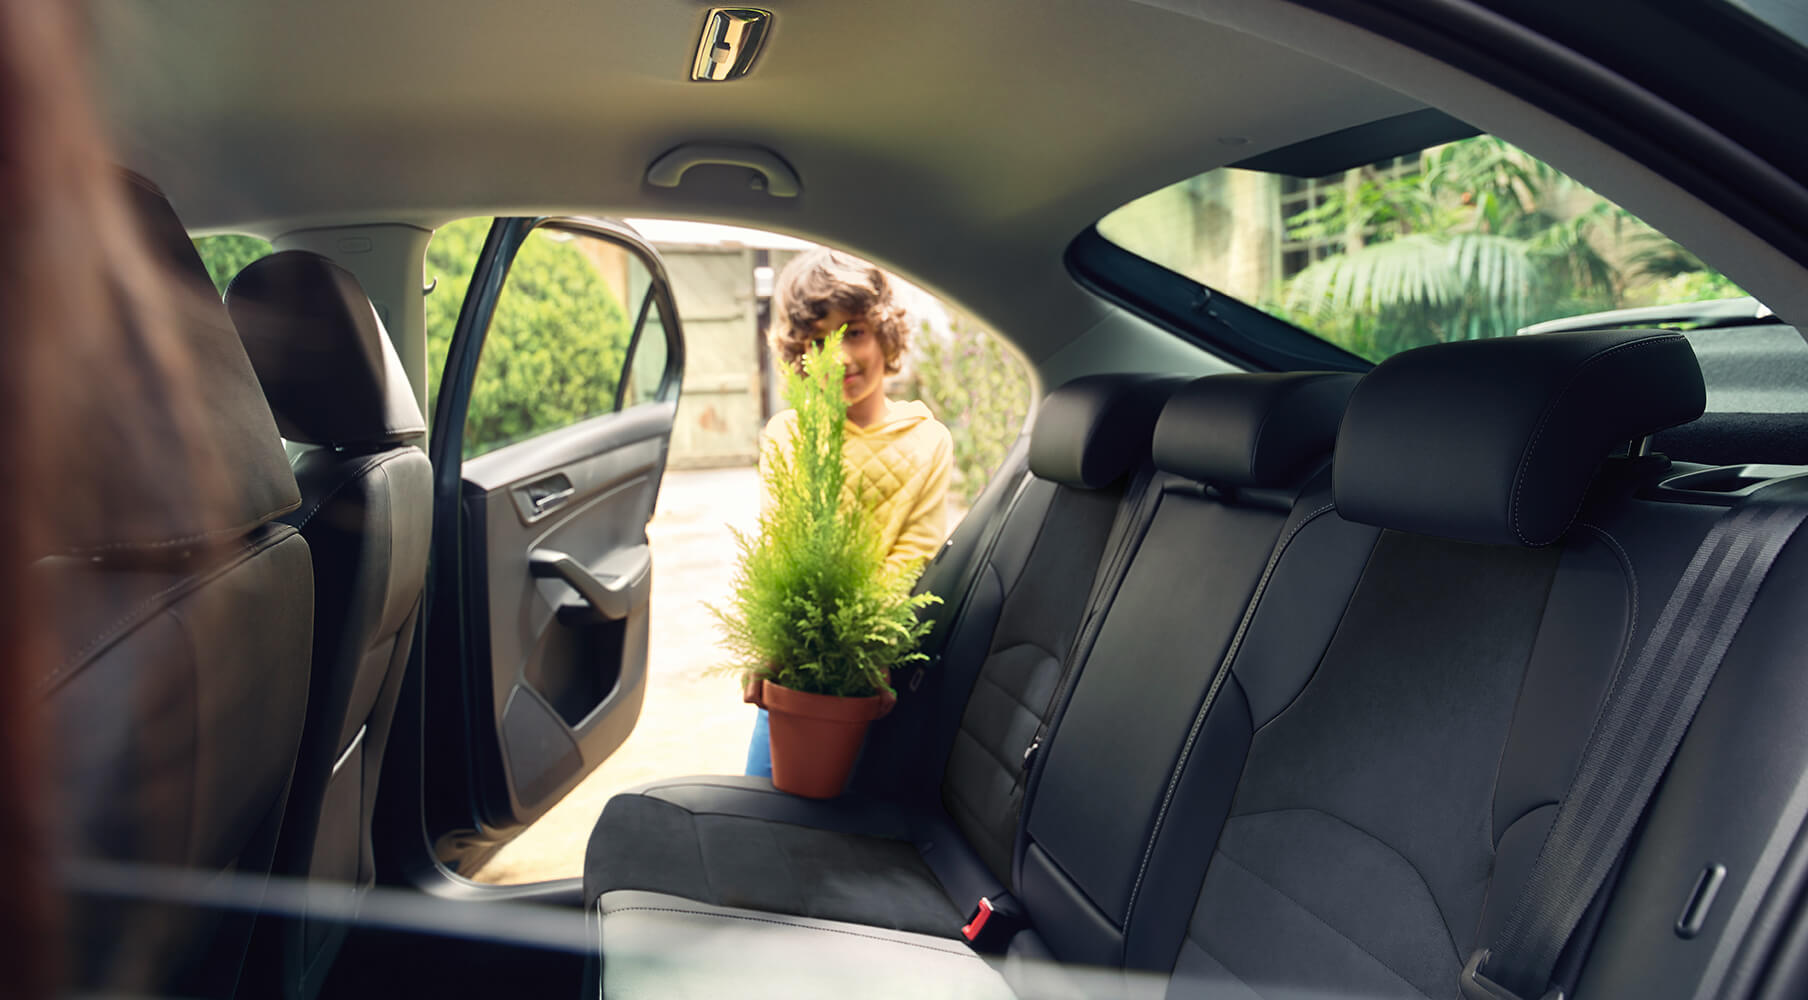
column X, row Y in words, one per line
column 113, row 631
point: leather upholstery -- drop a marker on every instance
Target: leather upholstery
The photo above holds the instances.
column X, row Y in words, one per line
column 367, row 516
column 328, row 369
column 1092, row 431
column 230, row 456
column 178, row 706
column 1498, row 440
column 1251, row 430
column 1311, row 756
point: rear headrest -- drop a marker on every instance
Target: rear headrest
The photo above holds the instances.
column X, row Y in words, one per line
column 320, row 351
column 1093, row 430
column 176, row 462
column 1497, row 440
column 1252, row 430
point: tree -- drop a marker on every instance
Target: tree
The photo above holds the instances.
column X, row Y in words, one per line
column 556, row 345
column 1482, row 240
column 225, row 256
column 975, row 387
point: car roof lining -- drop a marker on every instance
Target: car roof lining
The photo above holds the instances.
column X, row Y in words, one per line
column 269, row 118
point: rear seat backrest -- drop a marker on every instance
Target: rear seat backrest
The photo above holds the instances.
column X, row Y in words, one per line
column 1091, row 436
column 1394, row 791
column 1234, row 451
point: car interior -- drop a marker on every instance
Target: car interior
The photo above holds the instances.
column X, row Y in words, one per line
column 1265, row 667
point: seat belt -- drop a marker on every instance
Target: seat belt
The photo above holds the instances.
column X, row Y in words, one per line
column 1649, row 706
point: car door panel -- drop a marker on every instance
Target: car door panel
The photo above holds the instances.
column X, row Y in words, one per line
column 567, row 676
column 538, row 627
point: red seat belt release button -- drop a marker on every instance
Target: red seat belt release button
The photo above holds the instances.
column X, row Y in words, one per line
column 977, row 925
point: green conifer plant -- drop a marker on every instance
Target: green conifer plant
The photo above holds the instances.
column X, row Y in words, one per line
column 814, row 607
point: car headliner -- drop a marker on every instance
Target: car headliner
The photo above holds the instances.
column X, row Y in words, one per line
column 962, row 143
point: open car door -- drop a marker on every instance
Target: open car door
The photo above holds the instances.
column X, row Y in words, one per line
column 550, row 436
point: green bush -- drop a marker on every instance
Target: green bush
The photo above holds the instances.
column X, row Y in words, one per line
column 225, row 256
column 815, row 608
column 555, row 348
column 977, row 389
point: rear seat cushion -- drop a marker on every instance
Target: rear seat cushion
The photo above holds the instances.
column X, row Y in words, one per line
column 737, row 842
column 656, row 945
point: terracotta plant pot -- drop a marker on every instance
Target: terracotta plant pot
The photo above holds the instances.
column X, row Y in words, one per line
column 815, row 737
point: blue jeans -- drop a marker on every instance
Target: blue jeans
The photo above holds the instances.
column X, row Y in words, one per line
column 759, row 750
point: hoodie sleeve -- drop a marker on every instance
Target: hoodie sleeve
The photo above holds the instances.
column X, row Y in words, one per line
column 926, row 525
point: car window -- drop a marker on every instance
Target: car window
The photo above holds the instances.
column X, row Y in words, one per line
column 1467, row 239
column 1790, row 17
column 556, row 351
column 647, row 368
column 227, row 255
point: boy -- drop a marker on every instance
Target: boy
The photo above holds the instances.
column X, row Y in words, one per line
column 899, row 455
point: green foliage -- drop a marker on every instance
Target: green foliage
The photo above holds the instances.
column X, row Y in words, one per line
column 1483, row 239
column 556, row 345
column 814, row 608
column 225, row 256
column 979, row 391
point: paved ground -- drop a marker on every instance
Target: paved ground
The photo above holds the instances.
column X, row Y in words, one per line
column 693, row 722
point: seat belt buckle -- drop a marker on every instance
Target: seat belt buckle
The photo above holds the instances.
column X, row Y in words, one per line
column 1475, row 986
column 992, row 926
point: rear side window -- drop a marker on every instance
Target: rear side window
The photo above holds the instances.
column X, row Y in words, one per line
column 1468, row 239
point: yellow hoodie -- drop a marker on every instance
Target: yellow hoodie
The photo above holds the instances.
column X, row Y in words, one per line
column 903, row 461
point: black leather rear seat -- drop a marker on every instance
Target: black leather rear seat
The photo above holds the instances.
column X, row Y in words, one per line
column 1254, row 437
column 889, row 861
column 1369, row 768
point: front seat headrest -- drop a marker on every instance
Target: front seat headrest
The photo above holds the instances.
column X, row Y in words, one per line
column 326, row 364
column 1498, row 440
column 171, row 450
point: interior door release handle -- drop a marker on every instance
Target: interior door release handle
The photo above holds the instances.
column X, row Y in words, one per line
column 542, row 502
column 614, row 589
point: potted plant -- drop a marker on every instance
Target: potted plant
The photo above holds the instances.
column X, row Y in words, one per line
column 817, row 622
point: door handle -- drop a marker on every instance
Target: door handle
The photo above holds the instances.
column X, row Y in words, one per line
column 610, row 592
column 543, row 502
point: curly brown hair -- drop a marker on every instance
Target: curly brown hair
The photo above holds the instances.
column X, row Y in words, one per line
column 819, row 280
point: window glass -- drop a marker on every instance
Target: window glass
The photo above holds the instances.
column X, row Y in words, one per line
column 1470, row 239
column 558, row 342
column 225, row 256
column 646, row 369
column 1787, row 16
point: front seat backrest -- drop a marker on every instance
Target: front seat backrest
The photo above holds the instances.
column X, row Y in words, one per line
column 336, row 384
column 177, row 706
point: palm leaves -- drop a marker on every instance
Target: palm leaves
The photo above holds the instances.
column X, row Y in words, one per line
column 1476, row 244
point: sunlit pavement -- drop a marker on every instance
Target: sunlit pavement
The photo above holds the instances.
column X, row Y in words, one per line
column 694, row 721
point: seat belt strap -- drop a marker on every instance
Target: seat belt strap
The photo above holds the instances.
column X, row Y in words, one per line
column 1649, row 706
